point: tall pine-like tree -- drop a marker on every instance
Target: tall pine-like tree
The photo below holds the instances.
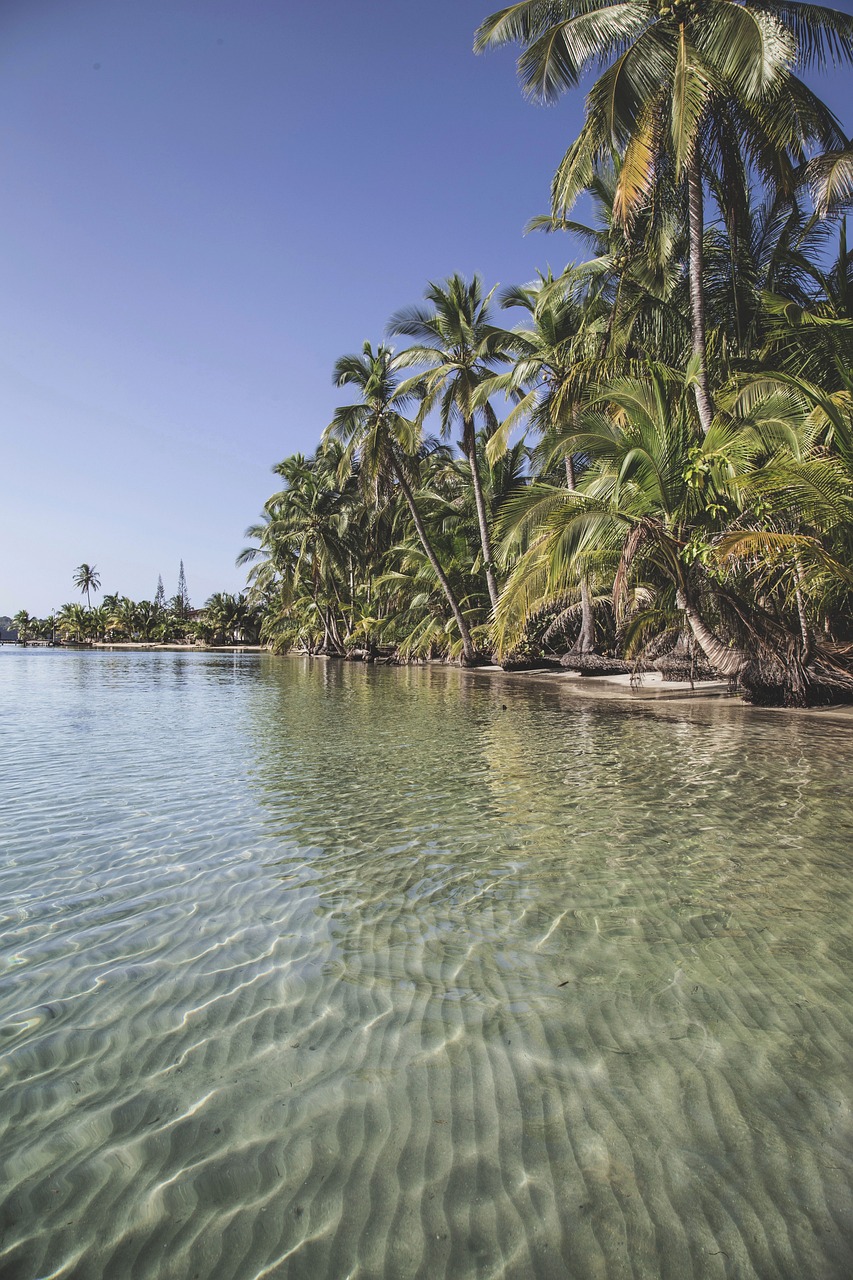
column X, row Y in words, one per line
column 160, row 594
column 183, row 596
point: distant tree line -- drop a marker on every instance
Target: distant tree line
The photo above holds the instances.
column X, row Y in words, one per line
column 225, row 618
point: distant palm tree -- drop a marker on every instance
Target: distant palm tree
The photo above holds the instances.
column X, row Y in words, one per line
column 122, row 616
column 73, row 621
column 23, row 623
column 99, row 621
column 86, row 580
column 230, row 618
column 146, row 616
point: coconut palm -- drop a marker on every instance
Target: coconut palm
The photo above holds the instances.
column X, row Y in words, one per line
column 460, row 346
column 73, row 620
column 87, row 579
column 653, row 493
column 123, row 616
column 811, row 335
column 99, row 622
column 303, row 539
column 730, row 531
column 830, row 177
column 377, row 434
column 548, row 377
column 24, row 625
column 803, row 546
column 681, row 81
column 631, row 286
column 229, row 618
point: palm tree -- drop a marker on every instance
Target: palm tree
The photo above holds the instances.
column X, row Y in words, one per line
column 23, row 624
column 230, row 618
column 830, row 177
column 123, row 616
column 687, row 80
column 99, row 621
column 73, row 620
column 460, row 347
column 547, row 379
column 87, row 579
column 810, row 335
column 801, row 550
column 653, row 494
column 631, row 288
column 743, row 534
column 303, row 539
column 377, row 433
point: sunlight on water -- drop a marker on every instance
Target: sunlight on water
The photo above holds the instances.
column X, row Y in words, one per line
column 312, row 970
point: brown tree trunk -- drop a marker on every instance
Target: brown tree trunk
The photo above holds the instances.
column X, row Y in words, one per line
column 696, row 216
column 803, row 617
column 468, row 650
column 479, row 500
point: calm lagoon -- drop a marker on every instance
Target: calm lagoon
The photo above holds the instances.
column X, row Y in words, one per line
column 321, row 971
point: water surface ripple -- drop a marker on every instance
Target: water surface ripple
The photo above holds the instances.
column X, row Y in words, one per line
column 310, row 970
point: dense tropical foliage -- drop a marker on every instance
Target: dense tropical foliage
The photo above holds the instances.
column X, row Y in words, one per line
column 654, row 467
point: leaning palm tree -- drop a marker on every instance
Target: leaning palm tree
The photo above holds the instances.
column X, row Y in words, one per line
column 683, row 86
column 86, row 580
column 460, row 347
column 377, row 433
column 733, row 531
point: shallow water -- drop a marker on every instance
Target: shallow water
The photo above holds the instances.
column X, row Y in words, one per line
column 311, row 970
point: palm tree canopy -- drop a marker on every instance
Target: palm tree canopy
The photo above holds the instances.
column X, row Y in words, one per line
column 376, row 431
column 455, row 339
column 87, row 578
column 665, row 70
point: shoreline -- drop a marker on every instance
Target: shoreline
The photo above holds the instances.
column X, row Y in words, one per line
column 648, row 689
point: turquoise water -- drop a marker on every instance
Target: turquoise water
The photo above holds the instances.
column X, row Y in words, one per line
column 312, row 970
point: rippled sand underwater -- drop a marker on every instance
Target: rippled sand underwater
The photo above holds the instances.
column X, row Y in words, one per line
column 311, row 970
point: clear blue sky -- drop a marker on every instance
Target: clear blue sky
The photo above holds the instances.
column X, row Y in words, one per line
column 204, row 203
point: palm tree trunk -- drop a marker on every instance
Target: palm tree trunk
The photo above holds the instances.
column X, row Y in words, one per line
column 585, row 642
column 468, row 649
column 485, row 538
column 334, row 633
column 696, row 216
column 729, row 662
column 586, row 639
column 805, row 634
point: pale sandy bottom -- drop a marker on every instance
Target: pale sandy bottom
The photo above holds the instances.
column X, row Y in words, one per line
column 356, row 974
